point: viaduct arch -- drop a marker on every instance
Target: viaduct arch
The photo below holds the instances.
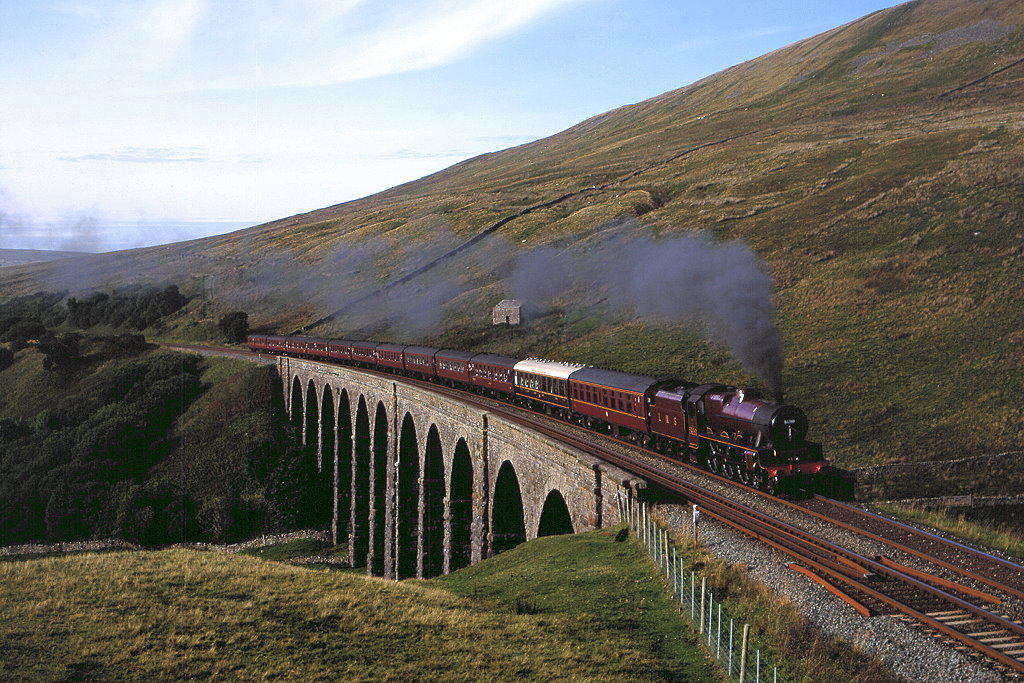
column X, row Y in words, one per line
column 422, row 485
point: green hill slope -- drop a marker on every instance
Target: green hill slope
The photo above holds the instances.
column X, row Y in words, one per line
column 875, row 168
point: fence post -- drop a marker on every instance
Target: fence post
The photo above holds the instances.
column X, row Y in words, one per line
column 693, row 591
column 718, row 647
column 729, row 669
column 703, row 588
column 711, row 612
column 757, row 674
column 675, row 573
column 743, row 652
column 682, row 578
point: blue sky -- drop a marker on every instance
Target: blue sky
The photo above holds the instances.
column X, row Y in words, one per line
column 134, row 122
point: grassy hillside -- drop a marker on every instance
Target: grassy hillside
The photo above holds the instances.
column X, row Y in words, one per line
column 875, row 169
column 183, row 614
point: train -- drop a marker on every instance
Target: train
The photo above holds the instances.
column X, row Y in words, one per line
column 738, row 432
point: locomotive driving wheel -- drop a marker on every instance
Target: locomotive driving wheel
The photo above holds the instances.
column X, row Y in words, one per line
column 731, row 470
column 715, row 459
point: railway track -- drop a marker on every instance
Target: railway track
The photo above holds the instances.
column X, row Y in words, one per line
column 964, row 614
column 973, row 564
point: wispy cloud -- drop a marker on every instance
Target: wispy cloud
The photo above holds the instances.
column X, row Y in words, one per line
column 418, row 36
column 144, row 155
column 188, row 44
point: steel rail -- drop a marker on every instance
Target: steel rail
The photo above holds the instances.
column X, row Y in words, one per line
column 935, row 538
column 857, row 605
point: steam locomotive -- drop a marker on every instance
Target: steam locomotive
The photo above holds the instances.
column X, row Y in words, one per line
column 733, row 431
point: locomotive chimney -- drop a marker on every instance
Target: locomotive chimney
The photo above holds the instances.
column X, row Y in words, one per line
column 777, row 395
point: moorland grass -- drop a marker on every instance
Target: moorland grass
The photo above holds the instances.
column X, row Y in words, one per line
column 588, row 609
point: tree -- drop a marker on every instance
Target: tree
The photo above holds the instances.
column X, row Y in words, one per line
column 21, row 332
column 235, row 326
column 60, row 351
column 6, row 357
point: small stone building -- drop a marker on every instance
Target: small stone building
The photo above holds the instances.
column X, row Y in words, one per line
column 507, row 312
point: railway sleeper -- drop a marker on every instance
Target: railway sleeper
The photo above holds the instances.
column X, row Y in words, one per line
column 991, row 636
column 947, row 614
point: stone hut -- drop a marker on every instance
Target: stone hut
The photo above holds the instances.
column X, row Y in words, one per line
column 507, row 312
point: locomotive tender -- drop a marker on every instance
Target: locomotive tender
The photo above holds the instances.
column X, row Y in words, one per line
column 732, row 431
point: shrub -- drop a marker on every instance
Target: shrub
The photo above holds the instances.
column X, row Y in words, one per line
column 60, row 352
column 235, row 326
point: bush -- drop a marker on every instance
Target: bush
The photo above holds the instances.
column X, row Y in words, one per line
column 138, row 307
column 235, row 326
column 24, row 330
column 6, row 358
column 60, row 352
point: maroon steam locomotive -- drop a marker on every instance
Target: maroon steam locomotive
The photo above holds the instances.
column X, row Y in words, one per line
column 732, row 431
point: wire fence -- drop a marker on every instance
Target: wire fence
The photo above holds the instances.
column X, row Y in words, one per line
column 725, row 639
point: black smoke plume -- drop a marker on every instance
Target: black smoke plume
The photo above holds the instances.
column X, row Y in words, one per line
column 722, row 287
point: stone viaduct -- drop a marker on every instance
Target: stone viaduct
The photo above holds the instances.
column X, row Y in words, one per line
column 423, row 484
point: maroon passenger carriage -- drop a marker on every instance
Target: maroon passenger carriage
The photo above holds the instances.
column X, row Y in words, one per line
column 616, row 398
column 339, row 349
column 453, row 366
column 364, row 353
column 390, row 356
column 419, row 360
column 492, row 372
